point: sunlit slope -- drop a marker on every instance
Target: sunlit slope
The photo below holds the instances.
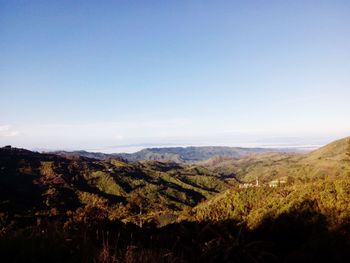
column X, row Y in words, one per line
column 330, row 160
column 318, row 181
column 338, row 151
column 326, row 197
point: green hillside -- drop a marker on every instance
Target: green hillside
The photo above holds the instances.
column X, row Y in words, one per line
column 193, row 154
column 338, row 151
column 328, row 161
column 40, row 183
column 327, row 197
column 173, row 154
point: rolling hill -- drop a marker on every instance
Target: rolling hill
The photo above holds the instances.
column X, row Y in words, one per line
column 32, row 183
column 177, row 154
column 329, row 161
column 190, row 154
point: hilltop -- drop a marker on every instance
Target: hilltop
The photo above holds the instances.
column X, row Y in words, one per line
column 338, row 150
column 190, row 154
column 328, row 161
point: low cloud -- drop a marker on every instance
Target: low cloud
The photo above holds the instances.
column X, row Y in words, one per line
column 95, row 134
column 7, row 131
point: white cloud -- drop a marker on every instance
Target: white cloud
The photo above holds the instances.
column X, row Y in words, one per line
column 96, row 134
column 7, row 131
column 118, row 137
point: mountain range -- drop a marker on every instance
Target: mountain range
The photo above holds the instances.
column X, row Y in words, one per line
column 178, row 154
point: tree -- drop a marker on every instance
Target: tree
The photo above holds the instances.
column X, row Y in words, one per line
column 137, row 202
column 348, row 149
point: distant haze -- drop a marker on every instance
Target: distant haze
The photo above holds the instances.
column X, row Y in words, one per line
column 297, row 144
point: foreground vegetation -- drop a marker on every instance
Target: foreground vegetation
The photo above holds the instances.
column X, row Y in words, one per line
column 307, row 223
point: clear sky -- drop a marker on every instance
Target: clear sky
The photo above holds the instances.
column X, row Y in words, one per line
column 105, row 74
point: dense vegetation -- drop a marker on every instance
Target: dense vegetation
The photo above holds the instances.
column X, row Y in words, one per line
column 33, row 183
column 71, row 208
column 175, row 154
column 329, row 161
column 191, row 154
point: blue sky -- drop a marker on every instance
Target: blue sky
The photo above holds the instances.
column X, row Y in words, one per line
column 105, row 74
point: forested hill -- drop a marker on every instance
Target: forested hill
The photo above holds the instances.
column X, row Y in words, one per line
column 328, row 161
column 178, row 154
column 190, row 154
column 31, row 183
